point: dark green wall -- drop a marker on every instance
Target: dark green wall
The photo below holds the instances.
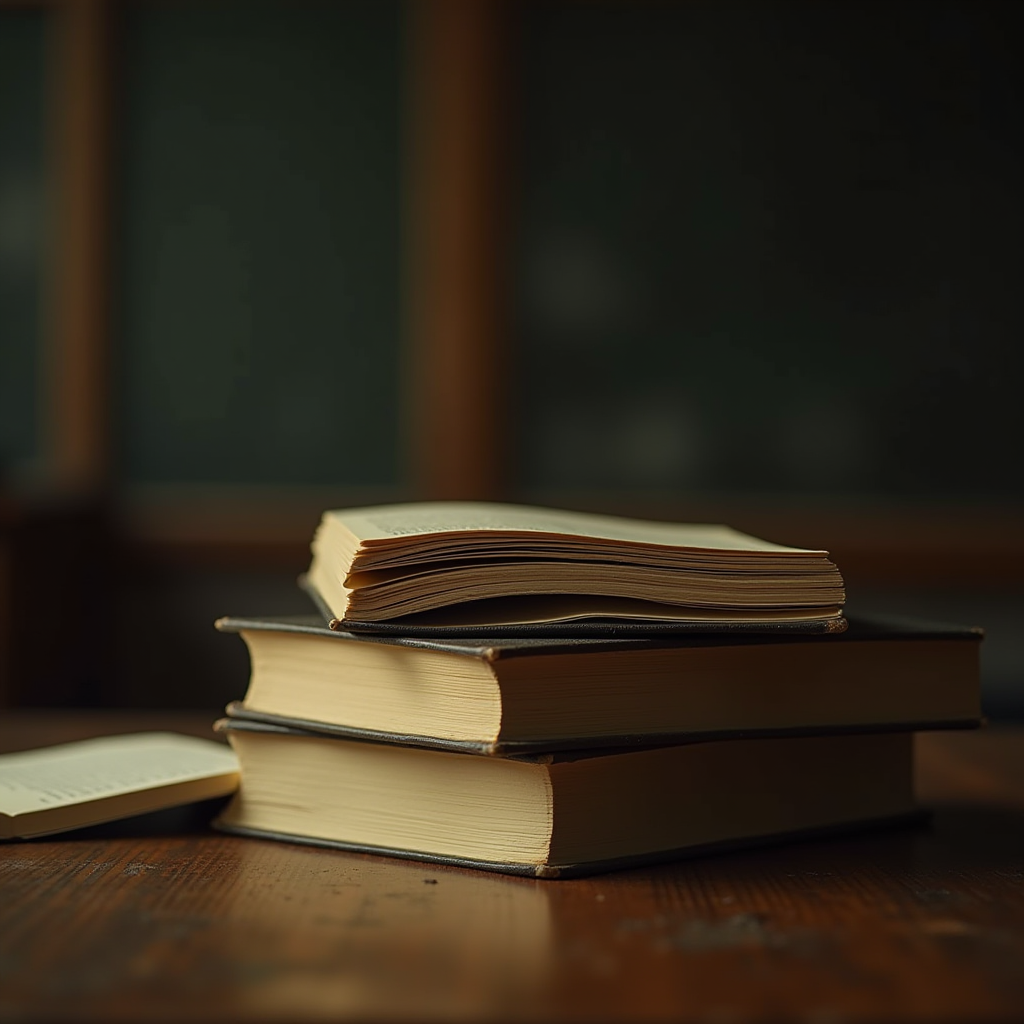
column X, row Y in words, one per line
column 758, row 246
column 771, row 247
column 22, row 232
column 258, row 194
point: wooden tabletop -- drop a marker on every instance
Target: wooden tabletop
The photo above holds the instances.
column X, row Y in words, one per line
column 165, row 920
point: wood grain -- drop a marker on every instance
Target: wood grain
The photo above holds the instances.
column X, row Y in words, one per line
column 454, row 378
column 77, row 358
column 129, row 923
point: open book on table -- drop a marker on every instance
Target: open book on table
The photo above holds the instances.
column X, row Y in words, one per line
column 463, row 566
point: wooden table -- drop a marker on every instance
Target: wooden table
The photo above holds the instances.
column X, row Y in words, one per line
column 173, row 922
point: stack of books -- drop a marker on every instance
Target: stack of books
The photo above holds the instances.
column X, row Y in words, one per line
column 553, row 694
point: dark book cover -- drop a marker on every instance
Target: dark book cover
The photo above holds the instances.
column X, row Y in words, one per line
column 498, row 643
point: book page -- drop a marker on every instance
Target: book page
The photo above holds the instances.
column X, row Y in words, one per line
column 383, row 522
column 558, row 608
column 72, row 773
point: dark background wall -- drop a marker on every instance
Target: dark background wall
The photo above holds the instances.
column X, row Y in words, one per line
column 757, row 261
column 771, row 246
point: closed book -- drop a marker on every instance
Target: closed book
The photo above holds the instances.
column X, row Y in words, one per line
column 524, row 695
column 555, row 816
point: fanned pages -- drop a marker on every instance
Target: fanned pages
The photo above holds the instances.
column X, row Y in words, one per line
column 472, row 565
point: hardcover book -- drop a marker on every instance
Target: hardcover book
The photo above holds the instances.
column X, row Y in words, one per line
column 561, row 815
column 514, row 695
column 469, row 565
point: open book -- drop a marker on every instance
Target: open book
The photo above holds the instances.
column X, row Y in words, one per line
column 468, row 565
column 92, row 781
